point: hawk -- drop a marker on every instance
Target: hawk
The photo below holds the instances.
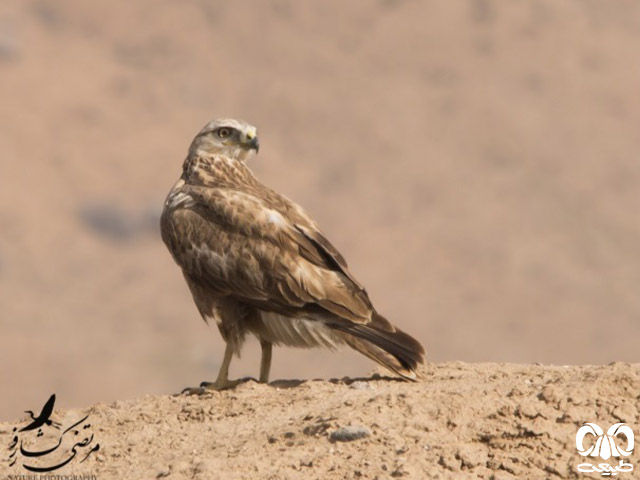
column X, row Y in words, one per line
column 256, row 263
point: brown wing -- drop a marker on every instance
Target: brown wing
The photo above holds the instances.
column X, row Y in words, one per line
column 262, row 251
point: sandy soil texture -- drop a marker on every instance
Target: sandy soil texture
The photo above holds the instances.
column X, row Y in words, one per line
column 475, row 161
column 490, row 421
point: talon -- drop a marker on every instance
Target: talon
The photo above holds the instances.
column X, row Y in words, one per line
column 208, row 387
column 195, row 391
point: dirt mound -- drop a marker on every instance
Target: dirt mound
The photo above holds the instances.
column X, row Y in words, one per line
column 475, row 162
column 462, row 420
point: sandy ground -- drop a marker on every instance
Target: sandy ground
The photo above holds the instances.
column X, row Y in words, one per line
column 475, row 161
column 463, row 421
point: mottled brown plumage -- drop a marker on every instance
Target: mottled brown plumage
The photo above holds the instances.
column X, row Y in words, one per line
column 255, row 262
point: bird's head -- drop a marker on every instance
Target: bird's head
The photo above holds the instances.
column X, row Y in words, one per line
column 230, row 138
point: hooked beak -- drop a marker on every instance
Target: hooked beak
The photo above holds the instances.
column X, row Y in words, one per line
column 255, row 144
column 251, row 141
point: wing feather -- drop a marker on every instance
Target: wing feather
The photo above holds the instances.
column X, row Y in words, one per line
column 235, row 238
column 251, row 247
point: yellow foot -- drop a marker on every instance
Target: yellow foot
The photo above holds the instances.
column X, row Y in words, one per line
column 208, row 387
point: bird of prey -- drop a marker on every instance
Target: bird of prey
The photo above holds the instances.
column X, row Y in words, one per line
column 256, row 263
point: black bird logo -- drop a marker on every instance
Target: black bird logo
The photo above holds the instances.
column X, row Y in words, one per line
column 43, row 418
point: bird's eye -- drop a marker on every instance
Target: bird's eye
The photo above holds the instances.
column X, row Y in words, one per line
column 224, row 132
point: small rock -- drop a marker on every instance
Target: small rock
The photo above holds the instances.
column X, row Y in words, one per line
column 349, row 433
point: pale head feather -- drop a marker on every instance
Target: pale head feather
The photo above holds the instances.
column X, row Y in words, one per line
column 228, row 137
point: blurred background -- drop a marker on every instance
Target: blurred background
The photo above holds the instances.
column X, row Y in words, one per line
column 476, row 161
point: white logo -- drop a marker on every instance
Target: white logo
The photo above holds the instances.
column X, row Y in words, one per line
column 605, row 447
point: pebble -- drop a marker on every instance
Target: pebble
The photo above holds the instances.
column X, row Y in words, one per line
column 349, row 434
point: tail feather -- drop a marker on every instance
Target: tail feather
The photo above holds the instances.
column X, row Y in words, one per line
column 386, row 344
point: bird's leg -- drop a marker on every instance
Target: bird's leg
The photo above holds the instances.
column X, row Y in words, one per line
column 265, row 363
column 223, row 373
column 222, row 382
